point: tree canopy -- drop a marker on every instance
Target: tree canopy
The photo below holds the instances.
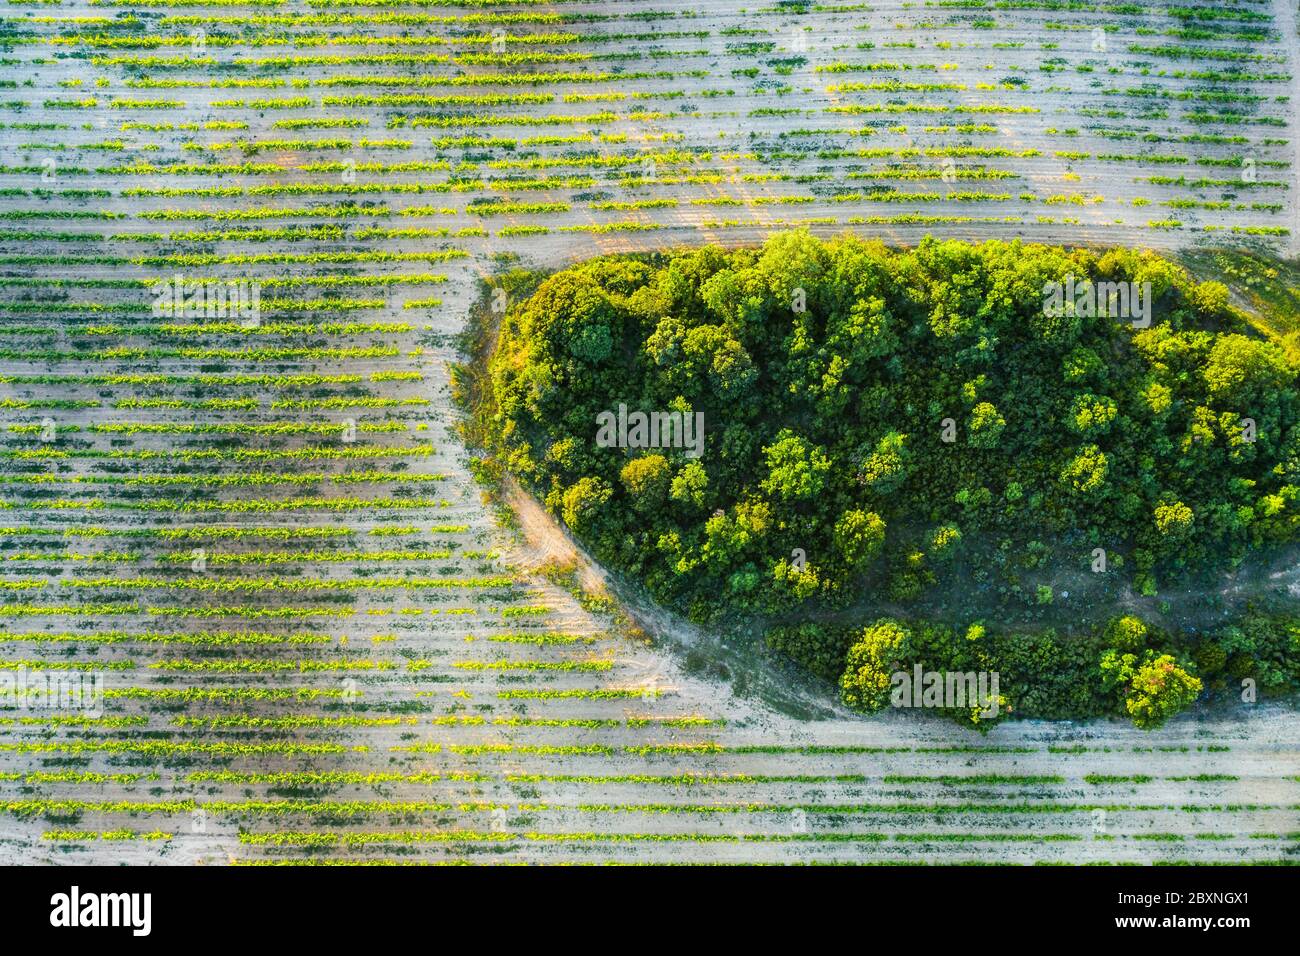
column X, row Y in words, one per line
column 874, row 416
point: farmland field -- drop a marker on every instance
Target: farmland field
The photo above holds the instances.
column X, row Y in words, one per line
column 261, row 529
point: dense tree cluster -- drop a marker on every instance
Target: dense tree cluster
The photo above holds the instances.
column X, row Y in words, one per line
column 872, row 416
column 1127, row 668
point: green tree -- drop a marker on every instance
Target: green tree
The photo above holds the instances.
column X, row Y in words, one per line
column 986, row 426
column 858, row 536
column 1092, row 414
column 1240, row 368
column 1086, row 472
column 885, row 468
column 1127, row 633
column 584, row 502
column 690, row 484
column 944, row 542
column 797, row 469
column 646, row 480
column 880, row 651
column 1174, row 519
column 1159, row 690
